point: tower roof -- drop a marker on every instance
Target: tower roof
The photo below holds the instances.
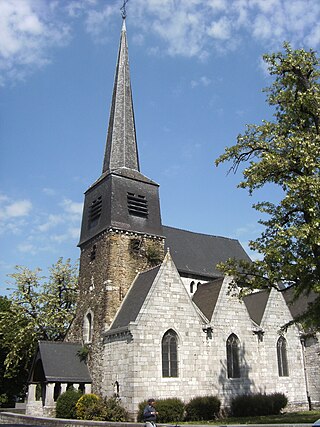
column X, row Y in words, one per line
column 121, row 146
column 122, row 198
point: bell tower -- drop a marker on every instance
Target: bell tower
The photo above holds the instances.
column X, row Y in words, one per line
column 121, row 232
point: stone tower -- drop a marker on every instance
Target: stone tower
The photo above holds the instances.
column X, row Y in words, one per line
column 121, row 232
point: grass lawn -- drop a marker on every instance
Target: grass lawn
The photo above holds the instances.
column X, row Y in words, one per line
column 286, row 418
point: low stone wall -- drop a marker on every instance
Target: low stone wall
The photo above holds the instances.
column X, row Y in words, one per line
column 11, row 418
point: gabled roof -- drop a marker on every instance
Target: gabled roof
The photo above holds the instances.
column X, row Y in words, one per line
column 134, row 299
column 206, row 297
column 299, row 305
column 58, row 361
column 198, row 254
column 256, row 304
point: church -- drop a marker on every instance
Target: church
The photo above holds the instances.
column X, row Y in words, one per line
column 154, row 314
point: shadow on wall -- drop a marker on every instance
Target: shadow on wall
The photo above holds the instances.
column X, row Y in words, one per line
column 234, row 372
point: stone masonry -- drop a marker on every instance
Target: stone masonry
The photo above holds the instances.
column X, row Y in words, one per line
column 133, row 357
column 104, row 281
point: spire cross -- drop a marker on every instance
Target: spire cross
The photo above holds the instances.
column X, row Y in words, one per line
column 123, row 9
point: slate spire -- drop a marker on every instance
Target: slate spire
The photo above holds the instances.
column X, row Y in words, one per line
column 121, row 146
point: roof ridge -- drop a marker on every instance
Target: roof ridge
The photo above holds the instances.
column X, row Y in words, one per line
column 203, row 234
column 58, row 342
column 149, row 269
column 212, row 282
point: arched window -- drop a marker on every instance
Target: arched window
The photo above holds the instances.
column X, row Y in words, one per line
column 116, row 389
column 93, row 253
column 87, row 328
column 233, row 365
column 282, row 357
column 192, row 287
column 170, row 354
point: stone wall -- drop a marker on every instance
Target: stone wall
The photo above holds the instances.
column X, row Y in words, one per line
column 136, row 362
column 276, row 315
column 135, row 358
column 10, row 418
column 312, row 358
column 108, row 266
column 132, row 358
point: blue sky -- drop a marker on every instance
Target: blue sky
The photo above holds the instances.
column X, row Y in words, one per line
column 197, row 80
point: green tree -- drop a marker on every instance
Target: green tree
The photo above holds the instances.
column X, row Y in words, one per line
column 285, row 152
column 10, row 388
column 38, row 308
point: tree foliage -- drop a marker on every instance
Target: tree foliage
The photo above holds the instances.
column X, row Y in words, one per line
column 10, row 387
column 285, row 152
column 38, row 308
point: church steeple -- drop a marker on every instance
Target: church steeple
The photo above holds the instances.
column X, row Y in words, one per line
column 122, row 198
column 121, row 231
column 121, row 146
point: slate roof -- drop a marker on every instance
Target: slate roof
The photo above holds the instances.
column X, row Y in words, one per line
column 61, row 363
column 256, row 304
column 206, row 296
column 198, row 254
column 300, row 305
column 134, row 299
column 121, row 146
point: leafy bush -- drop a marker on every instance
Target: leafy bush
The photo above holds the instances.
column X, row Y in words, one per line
column 90, row 407
column 93, row 407
column 170, row 410
column 114, row 411
column 279, row 402
column 66, row 404
column 258, row 404
column 202, row 408
column 141, row 407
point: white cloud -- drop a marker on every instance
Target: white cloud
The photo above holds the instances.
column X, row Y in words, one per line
column 220, row 29
column 27, row 248
column 19, row 208
column 67, row 220
column 74, row 232
column 262, row 28
column 313, row 39
column 44, row 230
column 77, row 7
column 96, row 21
column 28, row 28
column 51, row 222
column 199, row 27
column 202, row 81
column 217, row 5
column 59, row 238
column 10, row 209
column 73, row 207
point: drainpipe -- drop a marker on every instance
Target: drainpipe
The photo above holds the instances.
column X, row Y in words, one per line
column 303, row 345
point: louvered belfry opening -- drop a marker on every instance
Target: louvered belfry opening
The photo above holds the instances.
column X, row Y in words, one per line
column 137, row 205
column 95, row 212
